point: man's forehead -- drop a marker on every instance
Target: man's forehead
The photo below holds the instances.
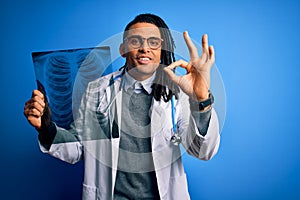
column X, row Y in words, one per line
column 146, row 31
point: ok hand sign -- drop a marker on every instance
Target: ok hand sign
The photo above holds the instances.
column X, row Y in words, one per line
column 196, row 81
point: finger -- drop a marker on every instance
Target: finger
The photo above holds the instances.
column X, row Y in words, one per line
column 37, row 106
column 35, row 112
column 39, row 100
column 32, row 112
column 192, row 48
column 205, row 42
column 38, row 96
column 205, row 52
column 169, row 71
column 181, row 63
column 32, row 103
column 212, row 54
column 177, row 63
column 34, row 106
column 38, row 93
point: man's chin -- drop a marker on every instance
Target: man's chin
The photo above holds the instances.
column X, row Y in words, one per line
column 141, row 72
column 144, row 69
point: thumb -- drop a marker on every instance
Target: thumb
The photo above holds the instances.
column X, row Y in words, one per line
column 46, row 117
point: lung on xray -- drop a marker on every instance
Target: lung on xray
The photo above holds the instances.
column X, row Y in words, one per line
column 64, row 75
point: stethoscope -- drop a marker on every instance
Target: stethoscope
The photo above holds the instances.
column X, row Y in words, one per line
column 175, row 138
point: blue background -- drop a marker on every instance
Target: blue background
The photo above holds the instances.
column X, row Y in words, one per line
column 257, row 53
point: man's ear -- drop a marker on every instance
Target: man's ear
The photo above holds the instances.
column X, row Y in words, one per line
column 122, row 50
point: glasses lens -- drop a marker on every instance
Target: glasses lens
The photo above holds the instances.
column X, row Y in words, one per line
column 154, row 42
column 137, row 41
column 134, row 41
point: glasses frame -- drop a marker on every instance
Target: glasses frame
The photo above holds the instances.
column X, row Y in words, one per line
column 142, row 40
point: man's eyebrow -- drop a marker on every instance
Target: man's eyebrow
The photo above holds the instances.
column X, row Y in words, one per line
column 134, row 35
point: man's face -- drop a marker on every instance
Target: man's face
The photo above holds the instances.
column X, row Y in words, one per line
column 142, row 49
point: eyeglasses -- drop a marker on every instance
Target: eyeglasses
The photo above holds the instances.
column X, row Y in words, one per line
column 137, row 41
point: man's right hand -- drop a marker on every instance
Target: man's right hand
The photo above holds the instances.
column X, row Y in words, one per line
column 34, row 109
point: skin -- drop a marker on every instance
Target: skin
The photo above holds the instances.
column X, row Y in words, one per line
column 34, row 109
column 195, row 83
column 138, row 69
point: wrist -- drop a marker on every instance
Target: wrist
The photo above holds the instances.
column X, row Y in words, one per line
column 203, row 104
column 203, row 97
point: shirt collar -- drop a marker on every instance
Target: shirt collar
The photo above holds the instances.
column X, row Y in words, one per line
column 130, row 82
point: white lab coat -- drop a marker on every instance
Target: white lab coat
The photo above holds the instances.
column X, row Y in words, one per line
column 90, row 139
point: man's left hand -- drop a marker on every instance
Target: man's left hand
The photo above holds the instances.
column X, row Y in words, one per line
column 196, row 82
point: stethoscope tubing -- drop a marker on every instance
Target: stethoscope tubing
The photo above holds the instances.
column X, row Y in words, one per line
column 175, row 138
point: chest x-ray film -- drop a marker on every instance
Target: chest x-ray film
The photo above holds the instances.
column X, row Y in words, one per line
column 64, row 75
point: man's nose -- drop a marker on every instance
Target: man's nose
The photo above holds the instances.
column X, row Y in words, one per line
column 144, row 46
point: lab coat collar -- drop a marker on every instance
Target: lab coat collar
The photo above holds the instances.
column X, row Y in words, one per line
column 130, row 82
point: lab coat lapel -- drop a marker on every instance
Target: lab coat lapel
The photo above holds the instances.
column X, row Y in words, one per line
column 115, row 117
column 161, row 147
column 156, row 113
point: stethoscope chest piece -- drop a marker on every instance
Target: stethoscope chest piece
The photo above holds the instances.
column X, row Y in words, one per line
column 176, row 139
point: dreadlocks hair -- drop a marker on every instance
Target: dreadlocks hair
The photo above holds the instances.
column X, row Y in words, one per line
column 162, row 87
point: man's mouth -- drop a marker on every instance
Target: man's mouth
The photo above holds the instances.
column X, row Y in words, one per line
column 143, row 60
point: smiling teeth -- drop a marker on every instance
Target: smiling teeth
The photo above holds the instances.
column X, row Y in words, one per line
column 144, row 59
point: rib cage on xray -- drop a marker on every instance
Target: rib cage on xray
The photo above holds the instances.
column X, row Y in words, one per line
column 65, row 75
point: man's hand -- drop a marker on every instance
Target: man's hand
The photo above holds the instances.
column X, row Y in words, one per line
column 34, row 109
column 196, row 82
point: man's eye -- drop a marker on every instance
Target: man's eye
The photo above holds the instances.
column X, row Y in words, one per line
column 134, row 41
column 154, row 42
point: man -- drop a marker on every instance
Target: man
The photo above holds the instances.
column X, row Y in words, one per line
column 130, row 122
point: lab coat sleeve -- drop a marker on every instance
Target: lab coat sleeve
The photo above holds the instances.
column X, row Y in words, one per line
column 65, row 146
column 202, row 120
column 197, row 145
column 68, row 145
